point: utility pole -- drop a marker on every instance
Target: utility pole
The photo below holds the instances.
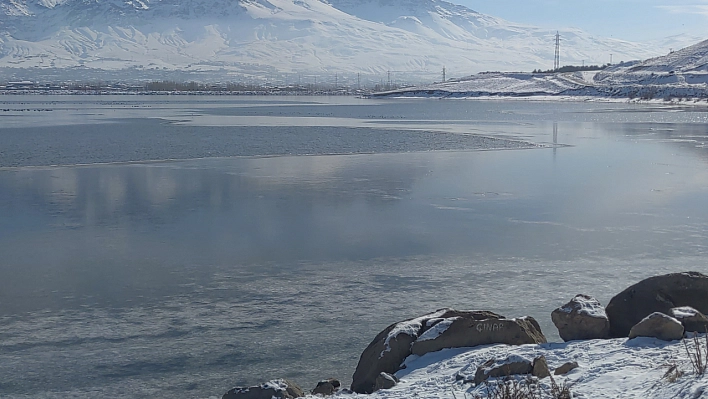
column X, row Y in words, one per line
column 358, row 81
column 335, row 81
column 443, row 73
column 556, row 59
column 610, row 58
column 389, row 80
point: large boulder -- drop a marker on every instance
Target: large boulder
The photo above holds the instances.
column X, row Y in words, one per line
column 658, row 325
column 692, row 320
column 392, row 345
column 460, row 332
column 581, row 318
column 656, row 294
column 281, row 389
column 445, row 328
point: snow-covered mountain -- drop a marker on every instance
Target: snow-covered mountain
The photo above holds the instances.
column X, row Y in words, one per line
column 276, row 37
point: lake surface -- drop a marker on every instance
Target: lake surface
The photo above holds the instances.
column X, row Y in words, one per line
column 177, row 246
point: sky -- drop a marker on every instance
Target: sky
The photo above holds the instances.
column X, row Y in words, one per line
column 636, row 20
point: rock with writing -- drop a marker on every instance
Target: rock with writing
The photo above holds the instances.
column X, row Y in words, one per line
column 392, row 345
column 326, row 387
column 493, row 368
column 468, row 331
column 280, row 389
column 581, row 318
column 656, row 294
column 692, row 319
column 658, row 325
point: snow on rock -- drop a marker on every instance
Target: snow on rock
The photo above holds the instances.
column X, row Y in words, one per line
column 581, row 318
column 412, row 328
column 586, row 305
column 437, row 329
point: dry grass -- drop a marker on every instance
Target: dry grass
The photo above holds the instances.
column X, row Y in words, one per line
column 528, row 388
column 697, row 354
column 673, row 373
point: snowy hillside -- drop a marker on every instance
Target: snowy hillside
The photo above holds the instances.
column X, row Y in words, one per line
column 680, row 74
column 276, row 37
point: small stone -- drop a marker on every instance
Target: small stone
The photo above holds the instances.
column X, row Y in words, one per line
column 658, row 325
column 512, row 365
column 280, row 389
column 326, row 387
column 566, row 368
column 540, row 368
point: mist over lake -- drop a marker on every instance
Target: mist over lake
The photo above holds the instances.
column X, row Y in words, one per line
column 177, row 246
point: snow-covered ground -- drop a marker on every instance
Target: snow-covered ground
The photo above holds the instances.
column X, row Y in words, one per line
column 616, row 368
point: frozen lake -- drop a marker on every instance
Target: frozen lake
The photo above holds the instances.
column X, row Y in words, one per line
column 170, row 247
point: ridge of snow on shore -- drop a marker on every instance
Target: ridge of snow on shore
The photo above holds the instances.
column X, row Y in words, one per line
column 614, row 368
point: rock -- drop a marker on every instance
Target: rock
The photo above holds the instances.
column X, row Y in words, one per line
column 512, row 365
column 581, row 318
column 468, row 331
column 540, row 368
column 392, row 345
column 656, row 294
column 566, row 368
column 658, row 325
column 281, row 389
column 692, row 320
column 385, row 381
column 326, row 387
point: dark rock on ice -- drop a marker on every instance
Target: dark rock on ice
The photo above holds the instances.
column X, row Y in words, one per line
column 281, row 389
column 656, row 294
column 658, row 325
column 581, row 318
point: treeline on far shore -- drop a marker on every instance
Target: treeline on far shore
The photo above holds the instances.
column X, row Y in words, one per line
column 573, row 68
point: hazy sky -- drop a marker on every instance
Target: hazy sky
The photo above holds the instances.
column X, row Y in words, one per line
column 623, row 19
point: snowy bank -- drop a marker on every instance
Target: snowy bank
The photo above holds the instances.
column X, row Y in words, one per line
column 614, row 368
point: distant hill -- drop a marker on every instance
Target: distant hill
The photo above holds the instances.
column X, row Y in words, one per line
column 680, row 74
column 272, row 39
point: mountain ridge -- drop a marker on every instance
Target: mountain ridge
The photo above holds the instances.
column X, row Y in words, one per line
column 281, row 37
